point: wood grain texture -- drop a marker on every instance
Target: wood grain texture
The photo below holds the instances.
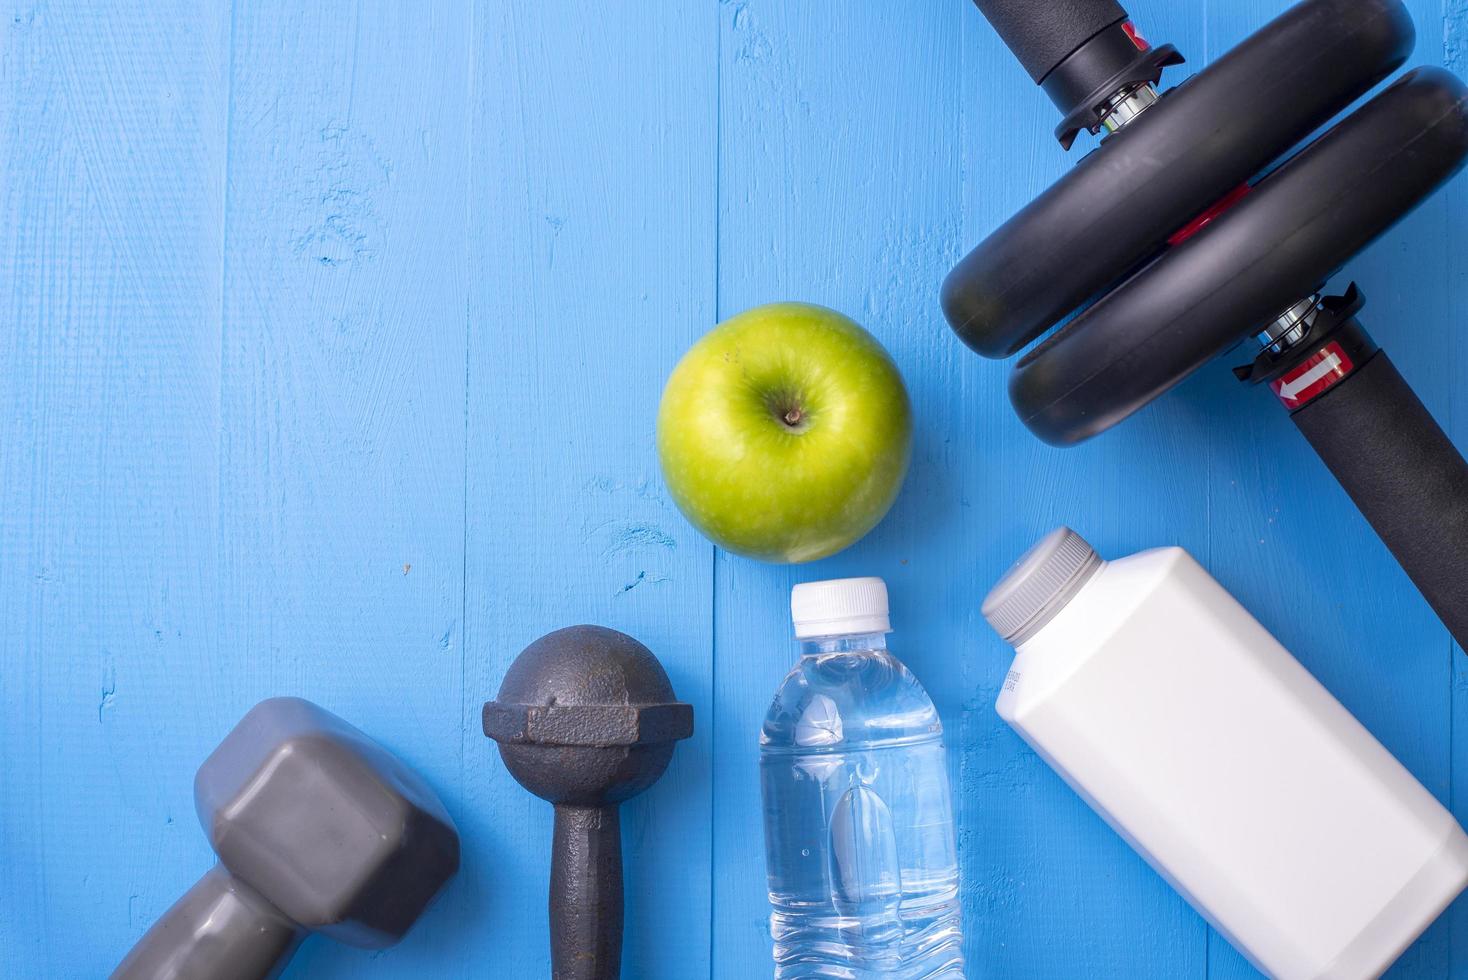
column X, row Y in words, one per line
column 346, row 278
column 592, row 250
column 111, row 176
column 1447, row 336
column 334, row 341
column 1050, row 891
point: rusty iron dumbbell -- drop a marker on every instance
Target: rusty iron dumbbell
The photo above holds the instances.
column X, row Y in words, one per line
column 586, row 718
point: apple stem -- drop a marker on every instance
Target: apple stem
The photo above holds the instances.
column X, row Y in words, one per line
column 792, row 417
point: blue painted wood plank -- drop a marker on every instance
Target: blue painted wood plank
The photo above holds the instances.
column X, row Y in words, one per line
column 1445, row 339
column 346, row 283
column 838, row 185
column 1055, row 892
column 111, row 191
column 860, row 156
column 592, row 249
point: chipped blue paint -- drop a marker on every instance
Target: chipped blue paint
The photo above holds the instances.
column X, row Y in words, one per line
column 334, row 336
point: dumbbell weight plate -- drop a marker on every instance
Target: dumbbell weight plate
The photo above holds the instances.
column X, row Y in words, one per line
column 1274, row 247
column 1209, row 134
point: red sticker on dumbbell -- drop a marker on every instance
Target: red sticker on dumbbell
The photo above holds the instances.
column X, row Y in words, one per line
column 1313, row 376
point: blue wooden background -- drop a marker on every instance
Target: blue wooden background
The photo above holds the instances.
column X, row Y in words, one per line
column 331, row 337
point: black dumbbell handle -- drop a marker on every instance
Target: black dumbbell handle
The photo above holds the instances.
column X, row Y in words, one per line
column 1042, row 33
column 221, row 929
column 586, row 894
column 1404, row 474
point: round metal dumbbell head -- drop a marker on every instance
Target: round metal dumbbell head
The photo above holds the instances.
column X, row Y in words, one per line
column 586, row 716
column 336, row 833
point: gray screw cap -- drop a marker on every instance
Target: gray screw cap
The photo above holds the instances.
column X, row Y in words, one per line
column 1040, row 584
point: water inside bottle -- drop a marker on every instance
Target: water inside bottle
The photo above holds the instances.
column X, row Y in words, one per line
column 863, row 870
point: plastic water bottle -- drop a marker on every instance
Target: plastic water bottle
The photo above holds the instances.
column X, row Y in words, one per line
column 859, row 841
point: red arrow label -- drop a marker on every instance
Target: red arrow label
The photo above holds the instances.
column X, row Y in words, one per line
column 1313, row 376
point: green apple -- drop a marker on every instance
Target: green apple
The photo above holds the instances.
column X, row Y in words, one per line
column 784, row 434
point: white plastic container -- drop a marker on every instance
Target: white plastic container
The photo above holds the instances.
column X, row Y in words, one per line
column 1240, row 779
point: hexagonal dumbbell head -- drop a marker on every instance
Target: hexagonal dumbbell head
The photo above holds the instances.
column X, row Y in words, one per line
column 317, row 829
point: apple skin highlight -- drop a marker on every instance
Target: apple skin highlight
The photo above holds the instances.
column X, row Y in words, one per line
column 784, row 434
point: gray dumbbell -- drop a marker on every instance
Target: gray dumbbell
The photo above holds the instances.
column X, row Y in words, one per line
column 317, row 829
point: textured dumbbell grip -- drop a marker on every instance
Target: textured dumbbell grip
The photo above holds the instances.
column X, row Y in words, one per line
column 586, row 894
column 221, row 929
column 1404, row 474
column 1042, row 33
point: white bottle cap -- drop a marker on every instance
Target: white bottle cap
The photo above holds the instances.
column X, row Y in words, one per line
column 839, row 607
column 1040, row 584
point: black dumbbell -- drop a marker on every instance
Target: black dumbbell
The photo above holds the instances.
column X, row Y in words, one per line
column 1180, row 236
column 586, row 718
